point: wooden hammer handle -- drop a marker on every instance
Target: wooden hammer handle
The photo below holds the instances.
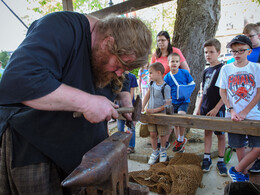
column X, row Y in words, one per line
column 119, row 110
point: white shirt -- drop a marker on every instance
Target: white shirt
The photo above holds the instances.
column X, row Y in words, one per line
column 241, row 84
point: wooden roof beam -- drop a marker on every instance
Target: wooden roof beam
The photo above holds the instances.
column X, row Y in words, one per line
column 126, row 7
column 67, row 5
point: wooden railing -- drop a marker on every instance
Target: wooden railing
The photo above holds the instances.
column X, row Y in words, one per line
column 248, row 127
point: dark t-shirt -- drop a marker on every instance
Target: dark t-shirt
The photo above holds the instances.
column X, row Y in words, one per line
column 133, row 83
column 210, row 92
column 57, row 49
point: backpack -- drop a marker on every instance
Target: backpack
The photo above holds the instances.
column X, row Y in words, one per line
column 162, row 90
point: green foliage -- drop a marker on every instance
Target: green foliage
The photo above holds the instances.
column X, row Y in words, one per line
column 47, row 6
column 4, row 57
column 257, row 1
column 135, row 72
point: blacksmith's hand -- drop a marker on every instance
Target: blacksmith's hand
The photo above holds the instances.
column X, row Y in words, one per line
column 99, row 108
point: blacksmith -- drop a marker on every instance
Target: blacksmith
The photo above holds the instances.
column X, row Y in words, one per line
column 67, row 62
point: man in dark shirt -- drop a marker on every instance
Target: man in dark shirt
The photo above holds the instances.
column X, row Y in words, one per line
column 67, row 62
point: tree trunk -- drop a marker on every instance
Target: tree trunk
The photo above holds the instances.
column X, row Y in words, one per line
column 196, row 22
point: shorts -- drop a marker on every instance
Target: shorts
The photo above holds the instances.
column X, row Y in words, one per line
column 240, row 140
column 221, row 114
column 180, row 107
column 162, row 130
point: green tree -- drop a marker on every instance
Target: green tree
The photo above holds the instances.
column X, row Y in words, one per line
column 191, row 30
column 4, row 57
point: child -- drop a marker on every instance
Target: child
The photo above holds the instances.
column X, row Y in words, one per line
column 143, row 80
column 252, row 32
column 212, row 105
column 239, row 84
column 183, row 77
column 158, row 88
column 121, row 123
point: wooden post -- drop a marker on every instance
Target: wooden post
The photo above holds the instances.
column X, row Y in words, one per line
column 67, row 5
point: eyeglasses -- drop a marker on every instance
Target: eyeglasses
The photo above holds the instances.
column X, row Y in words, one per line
column 241, row 51
column 161, row 40
column 120, row 60
column 250, row 36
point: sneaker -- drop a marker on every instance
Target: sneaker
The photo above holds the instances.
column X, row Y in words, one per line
column 163, row 156
column 174, row 143
column 179, row 145
column 256, row 167
column 182, row 150
column 167, row 145
column 206, row 165
column 153, row 158
column 237, row 176
column 222, row 169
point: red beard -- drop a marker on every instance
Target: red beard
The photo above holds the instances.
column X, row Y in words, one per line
column 101, row 77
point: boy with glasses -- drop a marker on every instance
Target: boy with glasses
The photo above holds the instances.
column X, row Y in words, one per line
column 252, row 32
column 239, row 84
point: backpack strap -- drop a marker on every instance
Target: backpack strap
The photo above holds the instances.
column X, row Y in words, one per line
column 162, row 90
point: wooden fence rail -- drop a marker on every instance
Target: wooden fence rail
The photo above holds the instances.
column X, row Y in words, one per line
column 248, row 127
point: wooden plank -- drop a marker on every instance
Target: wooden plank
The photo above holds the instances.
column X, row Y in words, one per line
column 67, row 5
column 248, row 127
column 126, row 7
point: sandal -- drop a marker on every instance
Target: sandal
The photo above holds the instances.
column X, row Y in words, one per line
column 130, row 150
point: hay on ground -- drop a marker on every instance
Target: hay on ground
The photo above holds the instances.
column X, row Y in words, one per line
column 181, row 175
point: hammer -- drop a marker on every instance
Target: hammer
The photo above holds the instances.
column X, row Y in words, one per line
column 136, row 110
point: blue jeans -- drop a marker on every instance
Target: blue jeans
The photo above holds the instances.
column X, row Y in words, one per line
column 121, row 127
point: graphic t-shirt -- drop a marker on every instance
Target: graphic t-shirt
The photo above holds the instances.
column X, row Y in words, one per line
column 241, row 84
column 143, row 75
column 1, row 72
column 211, row 95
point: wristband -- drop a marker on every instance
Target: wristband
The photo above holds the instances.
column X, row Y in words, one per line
column 229, row 109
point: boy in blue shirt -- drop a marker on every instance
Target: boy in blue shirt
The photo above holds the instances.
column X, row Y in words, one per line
column 212, row 105
column 180, row 106
column 252, row 32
